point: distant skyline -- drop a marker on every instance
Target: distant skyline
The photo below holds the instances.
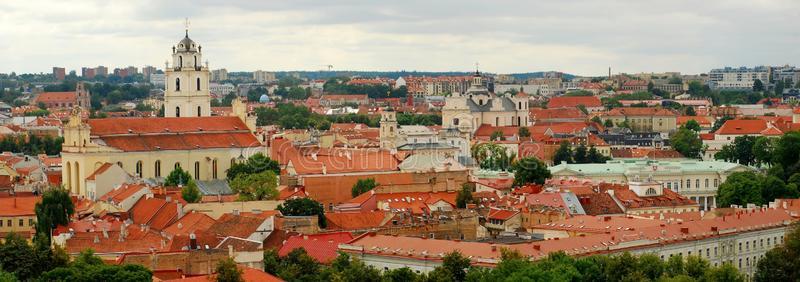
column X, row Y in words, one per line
column 580, row 37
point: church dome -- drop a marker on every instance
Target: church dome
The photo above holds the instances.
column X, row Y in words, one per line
column 263, row 99
column 187, row 44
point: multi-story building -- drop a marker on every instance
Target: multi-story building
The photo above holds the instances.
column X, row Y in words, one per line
column 740, row 239
column 264, row 76
column 55, row 100
column 101, row 70
column 222, row 89
column 17, row 215
column 737, row 78
column 660, row 120
column 148, row 71
column 88, row 73
column 158, row 80
column 219, row 75
column 187, row 137
column 790, row 75
column 478, row 106
column 339, row 100
column 695, row 179
column 424, row 86
column 59, row 73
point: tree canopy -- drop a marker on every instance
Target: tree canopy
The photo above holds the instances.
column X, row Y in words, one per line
column 55, row 209
column 530, row 170
column 687, row 142
column 362, row 186
column 178, row 176
column 256, row 186
column 303, row 207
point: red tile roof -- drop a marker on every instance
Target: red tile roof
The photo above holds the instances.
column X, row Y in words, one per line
column 18, row 206
column 158, row 213
column 501, row 214
column 743, row 126
column 703, row 121
column 322, row 247
column 122, row 192
column 185, row 133
column 556, row 113
column 248, row 275
column 355, row 221
column 193, row 222
column 235, row 225
column 574, row 101
column 57, row 97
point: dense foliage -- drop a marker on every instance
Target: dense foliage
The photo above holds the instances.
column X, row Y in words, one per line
column 256, row 186
column 303, row 207
column 339, row 85
column 32, row 145
column 687, row 142
column 579, row 155
column 529, row 170
column 362, row 186
column 256, row 163
column 492, row 156
column 178, row 176
column 299, row 266
column 783, row 262
column 55, row 209
column 190, row 193
column 87, row 267
column 464, row 196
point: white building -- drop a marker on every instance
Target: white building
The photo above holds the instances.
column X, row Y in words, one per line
column 264, row 76
column 187, row 91
column 737, row 78
column 159, row 80
column 221, row 89
column 478, row 106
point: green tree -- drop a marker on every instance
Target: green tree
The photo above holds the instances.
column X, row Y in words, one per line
column 55, row 209
column 580, row 156
column 87, row 267
column 608, row 123
column 256, row 186
column 400, row 275
column 719, row 122
column 228, row 271
column 362, row 186
column 255, row 164
column 740, row 188
column 693, row 125
column 739, row 151
column 781, row 263
column 190, row 193
column 597, row 120
column 178, row 176
column 758, row 85
column 497, row 135
column 530, row 170
column 686, row 142
column 779, row 86
column 595, row 157
column 303, row 207
column 690, row 111
column 455, row 265
column 563, row 154
column 464, row 196
column 524, row 132
column 272, row 261
column 299, row 266
column 763, row 150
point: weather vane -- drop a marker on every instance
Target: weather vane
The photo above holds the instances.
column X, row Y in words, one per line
column 186, row 25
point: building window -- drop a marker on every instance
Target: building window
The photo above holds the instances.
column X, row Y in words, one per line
column 196, row 170
column 716, row 182
column 697, row 183
column 178, row 84
column 198, row 84
column 1, row 223
column 139, row 168
column 21, row 223
column 214, row 169
column 688, row 183
column 455, row 121
column 199, row 112
column 157, row 171
column 8, row 222
column 706, row 182
column 177, row 166
column 180, row 61
column 119, row 164
column 177, row 111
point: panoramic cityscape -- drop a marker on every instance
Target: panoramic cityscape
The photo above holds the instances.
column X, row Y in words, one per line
column 365, row 141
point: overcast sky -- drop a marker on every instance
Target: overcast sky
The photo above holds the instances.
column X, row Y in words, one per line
column 574, row 36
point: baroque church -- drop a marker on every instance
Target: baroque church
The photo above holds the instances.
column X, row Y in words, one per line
column 469, row 110
column 150, row 148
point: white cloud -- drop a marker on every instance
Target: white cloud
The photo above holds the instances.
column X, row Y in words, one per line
column 576, row 36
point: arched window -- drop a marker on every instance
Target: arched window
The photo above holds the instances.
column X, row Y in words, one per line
column 520, row 105
column 455, row 121
column 198, row 84
column 139, row 168
column 178, row 84
column 214, row 169
column 119, row 164
column 497, row 121
column 177, row 111
column 196, row 170
column 195, row 63
column 199, row 113
column 177, row 165
column 233, row 161
column 180, row 61
column 157, row 169
column 650, row 192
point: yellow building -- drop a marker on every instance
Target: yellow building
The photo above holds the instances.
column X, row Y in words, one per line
column 644, row 119
column 17, row 215
column 188, row 137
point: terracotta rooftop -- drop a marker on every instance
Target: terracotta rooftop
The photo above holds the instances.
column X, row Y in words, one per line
column 18, row 206
column 635, row 111
column 193, row 222
column 122, row 192
column 574, row 101
column 322, row 247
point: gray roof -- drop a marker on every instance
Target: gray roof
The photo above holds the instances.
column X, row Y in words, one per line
column 505, row 102
column 214, row 187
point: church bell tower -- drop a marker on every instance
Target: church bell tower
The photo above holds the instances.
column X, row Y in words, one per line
column 187, row 93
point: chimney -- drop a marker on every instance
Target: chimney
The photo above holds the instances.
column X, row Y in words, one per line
column 192, row 242
column 494, row 248
column 324, row 169
column 235, row 212
column 96, row 239
column 180, row 210
column 607, row 218
column 230, row 250
column 537, row 247
column 169, row 198
column 105, row 233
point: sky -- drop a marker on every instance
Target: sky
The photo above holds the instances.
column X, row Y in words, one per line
column 574, row 36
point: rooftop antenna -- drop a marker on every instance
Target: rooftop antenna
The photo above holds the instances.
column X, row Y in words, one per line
column 477, row 67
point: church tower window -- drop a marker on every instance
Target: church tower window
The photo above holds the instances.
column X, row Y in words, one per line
column 180, row 61
column 198, row 84
column 177, row 111
column 177, row 84
column 139, row 168
column 196, row 170
column 214, row 169
column 157, row 172
column 199, row 112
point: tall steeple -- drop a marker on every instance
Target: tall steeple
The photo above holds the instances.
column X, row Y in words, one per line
column 187, row 93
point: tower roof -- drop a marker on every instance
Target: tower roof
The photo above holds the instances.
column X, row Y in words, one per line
column 187, row 44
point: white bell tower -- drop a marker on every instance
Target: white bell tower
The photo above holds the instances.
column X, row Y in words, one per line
column 187, row 93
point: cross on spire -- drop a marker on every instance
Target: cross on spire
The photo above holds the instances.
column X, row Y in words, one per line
column 186, row 25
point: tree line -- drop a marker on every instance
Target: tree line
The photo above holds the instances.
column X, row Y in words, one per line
column 31, row 144
column 290, row 116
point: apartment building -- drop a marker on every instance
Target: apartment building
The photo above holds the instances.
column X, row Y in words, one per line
column 737, row 78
